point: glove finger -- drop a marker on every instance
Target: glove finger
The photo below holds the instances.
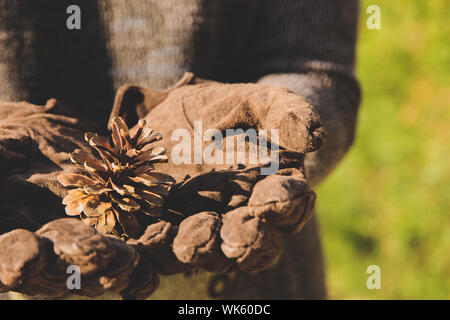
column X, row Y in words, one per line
column 273, row 107
column 285, row 201
column 299, row 124
column 22, row 256
column 250, row 241
column 28, row 265
column 156, row 244
column 197, row 243
column 106, row 263
column 75, row 243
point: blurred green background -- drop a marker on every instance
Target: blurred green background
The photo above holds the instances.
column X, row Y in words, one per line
column 388, row 202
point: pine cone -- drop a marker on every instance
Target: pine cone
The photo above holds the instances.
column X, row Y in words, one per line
column 121, row 194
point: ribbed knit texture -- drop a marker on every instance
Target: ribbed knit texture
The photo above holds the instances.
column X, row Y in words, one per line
column 307, row 46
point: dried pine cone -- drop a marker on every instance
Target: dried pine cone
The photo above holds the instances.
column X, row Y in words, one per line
column 121, row 193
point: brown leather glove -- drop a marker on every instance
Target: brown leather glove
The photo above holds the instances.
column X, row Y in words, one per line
column 234, row 215
column 35, row 142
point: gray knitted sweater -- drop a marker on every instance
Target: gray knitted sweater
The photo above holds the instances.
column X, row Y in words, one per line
column 307, row 46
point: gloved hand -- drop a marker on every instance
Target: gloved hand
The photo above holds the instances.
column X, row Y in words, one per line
column 35, row 142
column 234, row 215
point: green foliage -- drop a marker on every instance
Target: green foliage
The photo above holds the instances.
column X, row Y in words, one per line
column 388, row 202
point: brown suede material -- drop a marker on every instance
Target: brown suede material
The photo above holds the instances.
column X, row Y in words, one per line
column 250, row 241
column 282, row 201
column 24, row 258
column 232, row 216
column 35, row 142
column 223, row 106
column 107, row 264
column 198, row 241
column 156, row 242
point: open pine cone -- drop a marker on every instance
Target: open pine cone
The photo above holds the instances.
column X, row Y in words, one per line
column 121, row 194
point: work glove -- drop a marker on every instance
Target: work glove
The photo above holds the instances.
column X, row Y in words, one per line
column 234, row 212
column 233, row 216
column 40, row 247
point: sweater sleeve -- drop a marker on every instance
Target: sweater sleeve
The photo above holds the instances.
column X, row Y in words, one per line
column 309, row 47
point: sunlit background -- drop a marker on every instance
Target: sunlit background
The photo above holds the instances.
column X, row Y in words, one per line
column 388, row 202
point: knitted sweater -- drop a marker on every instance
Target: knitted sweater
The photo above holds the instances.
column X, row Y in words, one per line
column 307, row 46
